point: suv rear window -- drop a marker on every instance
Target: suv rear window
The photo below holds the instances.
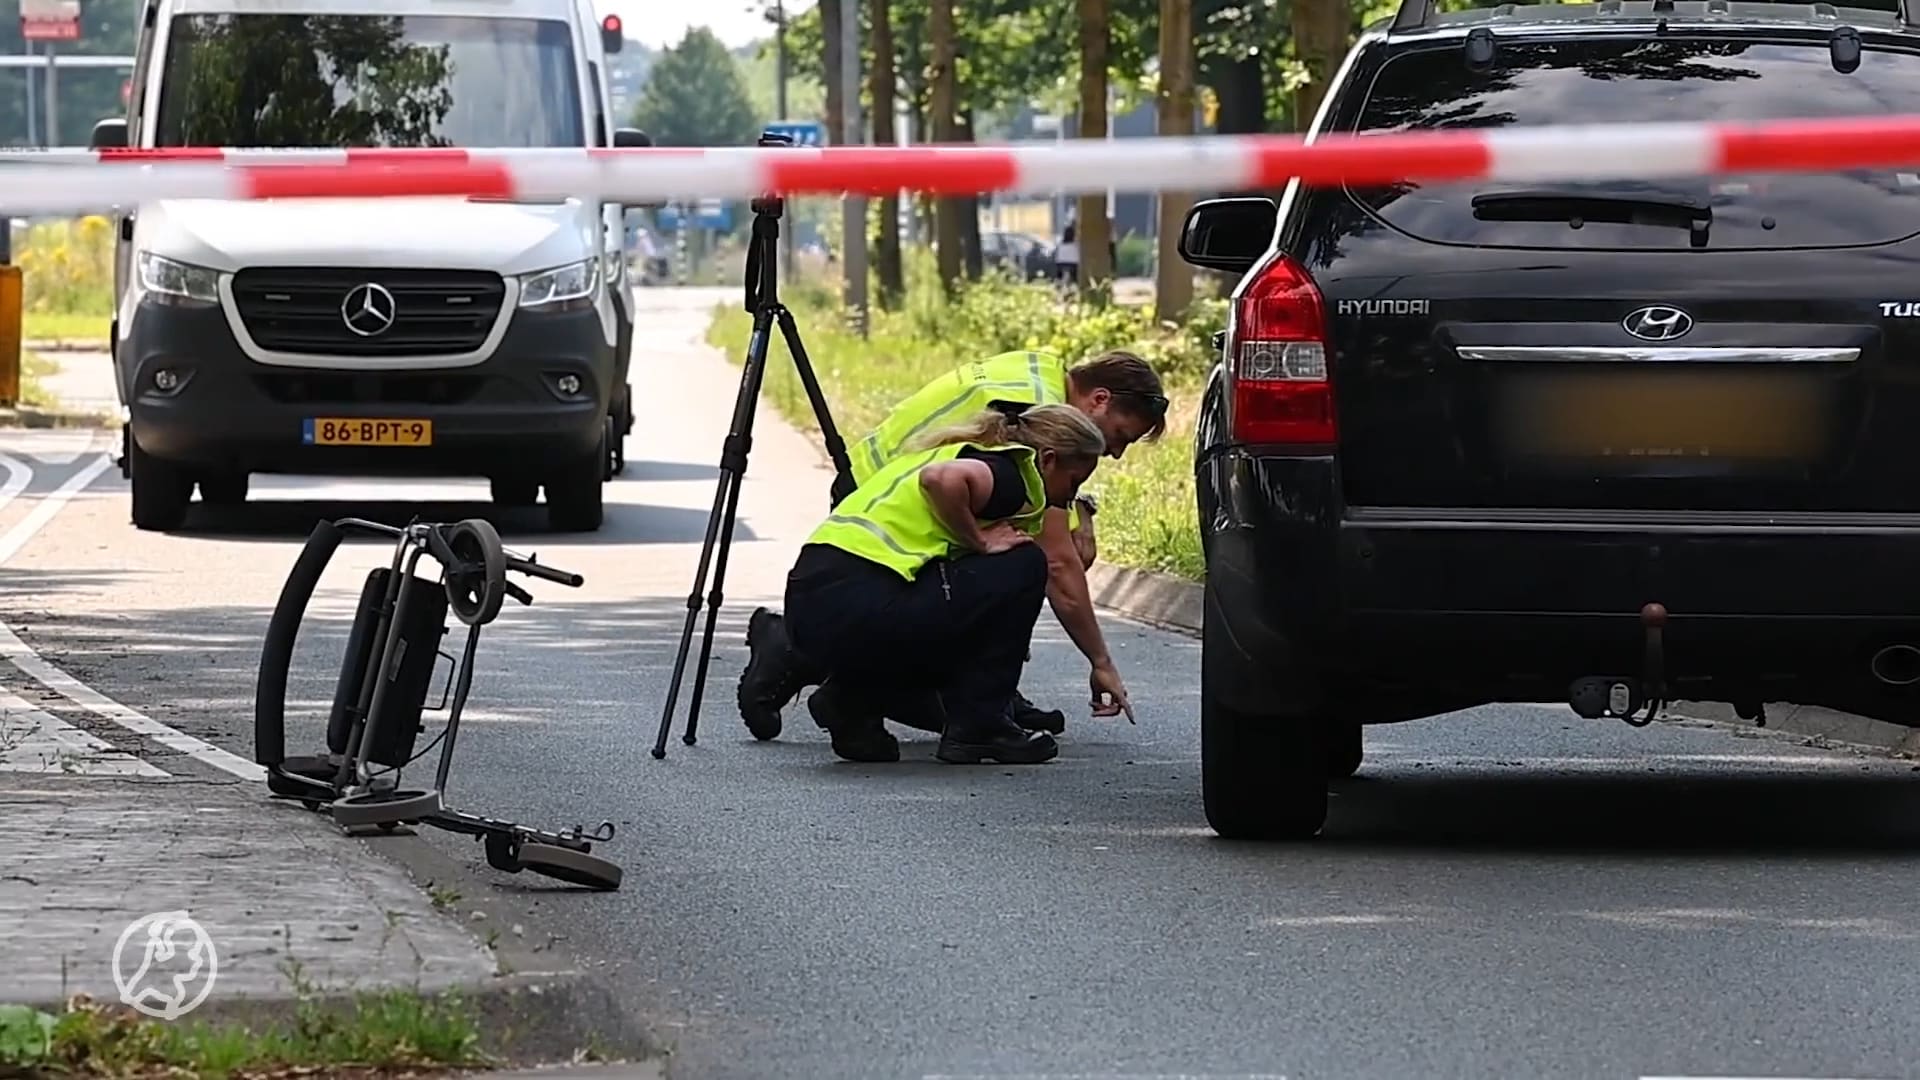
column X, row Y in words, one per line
column 1616, row 80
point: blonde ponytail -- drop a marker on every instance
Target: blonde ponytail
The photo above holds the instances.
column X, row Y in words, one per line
column 1062, row 429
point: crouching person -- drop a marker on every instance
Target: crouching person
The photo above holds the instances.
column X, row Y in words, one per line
column 915, row 600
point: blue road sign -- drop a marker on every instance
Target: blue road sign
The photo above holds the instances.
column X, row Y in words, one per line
column 706, row 214
column 802, row 132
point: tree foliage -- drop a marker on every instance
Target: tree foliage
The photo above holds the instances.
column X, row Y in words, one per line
column 84, row 95
column 695, row 96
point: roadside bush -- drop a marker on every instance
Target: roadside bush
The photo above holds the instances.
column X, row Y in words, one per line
column 1147, row 506
column 66, row 267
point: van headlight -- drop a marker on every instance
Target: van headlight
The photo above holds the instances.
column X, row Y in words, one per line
column 564, row 288
column 172, row 282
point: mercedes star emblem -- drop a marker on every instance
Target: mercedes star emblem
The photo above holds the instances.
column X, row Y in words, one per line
column 368, row 309
column 1657, row 323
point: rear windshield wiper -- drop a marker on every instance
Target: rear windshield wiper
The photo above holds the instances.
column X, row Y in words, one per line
column 1578, row 207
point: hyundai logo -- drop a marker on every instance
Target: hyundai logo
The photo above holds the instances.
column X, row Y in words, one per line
column 1657, row 323
column 368, row 309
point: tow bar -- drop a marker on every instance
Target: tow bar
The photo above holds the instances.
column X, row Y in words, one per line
column 1622, row 696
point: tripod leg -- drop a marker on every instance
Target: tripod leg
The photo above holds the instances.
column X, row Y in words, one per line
column 733, row 464
column 830, row 435
column 720, row 562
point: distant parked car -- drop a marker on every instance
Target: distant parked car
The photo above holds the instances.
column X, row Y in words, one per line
column 1026, row 255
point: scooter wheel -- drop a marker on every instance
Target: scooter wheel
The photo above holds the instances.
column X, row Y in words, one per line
column 568, row 865
column 476, row 593
column 385, row 807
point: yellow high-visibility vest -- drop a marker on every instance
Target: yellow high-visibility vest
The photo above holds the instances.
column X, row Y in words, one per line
column 888, row 520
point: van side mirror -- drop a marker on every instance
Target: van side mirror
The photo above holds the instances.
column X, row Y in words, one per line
column 1228, row 234
column 109, row 134
column 631, row 138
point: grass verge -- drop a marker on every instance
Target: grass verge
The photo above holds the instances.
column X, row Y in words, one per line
column 394, row 1033
column 1147, row 517
column 67, row 328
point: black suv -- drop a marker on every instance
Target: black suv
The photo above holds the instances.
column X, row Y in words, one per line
column 1609, row 443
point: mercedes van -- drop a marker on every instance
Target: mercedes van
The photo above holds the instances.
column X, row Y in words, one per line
column 381, row 336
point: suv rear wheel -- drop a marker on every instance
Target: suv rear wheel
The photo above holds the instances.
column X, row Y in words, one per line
column 574, row 495
column 161, row 490
column 514, row 490
column 1262, row 776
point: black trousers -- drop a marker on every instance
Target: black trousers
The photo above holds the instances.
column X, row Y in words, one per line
column 962, row 627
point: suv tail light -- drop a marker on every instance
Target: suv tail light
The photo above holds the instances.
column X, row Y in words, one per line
column 1281, row 393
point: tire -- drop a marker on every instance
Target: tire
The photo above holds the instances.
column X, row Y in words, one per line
column 575, row 499
column 475, row 598
column 224, row 489
column 570, row 866
column 162, row 491
column 1346, row 749
column 1262, row 777
column 514, row 491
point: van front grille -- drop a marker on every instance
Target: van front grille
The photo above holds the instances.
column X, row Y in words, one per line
column 392, row 312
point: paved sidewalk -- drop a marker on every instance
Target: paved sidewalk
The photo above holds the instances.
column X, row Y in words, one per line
column 83, row 858
column 83, row 385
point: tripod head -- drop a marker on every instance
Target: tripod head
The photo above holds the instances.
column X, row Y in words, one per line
column 762, row 281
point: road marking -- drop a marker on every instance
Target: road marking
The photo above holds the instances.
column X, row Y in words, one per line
column 33, row 740
column 22, row 656
column 19, row 475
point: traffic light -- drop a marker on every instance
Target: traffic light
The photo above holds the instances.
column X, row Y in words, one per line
column 611, row 39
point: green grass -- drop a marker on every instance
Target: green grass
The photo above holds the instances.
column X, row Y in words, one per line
column 66, row 327
column 1147, row 517
column 392, row 1030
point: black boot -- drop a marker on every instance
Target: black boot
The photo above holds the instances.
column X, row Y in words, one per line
column 859, row 733
column 772, row 676
column 971, row 742
column 1033, row 718
column 919, row 709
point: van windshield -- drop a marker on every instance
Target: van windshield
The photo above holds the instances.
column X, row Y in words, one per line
column 281, row 81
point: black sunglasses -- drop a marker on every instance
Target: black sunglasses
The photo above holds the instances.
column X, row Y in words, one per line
column 1156, row 402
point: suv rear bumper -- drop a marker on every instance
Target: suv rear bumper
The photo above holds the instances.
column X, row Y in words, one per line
column 505, row 415
column 1511, row 608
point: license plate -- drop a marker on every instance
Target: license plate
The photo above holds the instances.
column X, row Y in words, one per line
column 326, row 431
column 1702, row 416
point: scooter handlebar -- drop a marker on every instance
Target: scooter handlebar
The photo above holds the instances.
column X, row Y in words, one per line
column 547, row 573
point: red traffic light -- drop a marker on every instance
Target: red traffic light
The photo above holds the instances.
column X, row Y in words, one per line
column 611, row 24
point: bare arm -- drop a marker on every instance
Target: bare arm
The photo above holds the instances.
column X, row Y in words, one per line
column 958, row 490
column 1067, row 589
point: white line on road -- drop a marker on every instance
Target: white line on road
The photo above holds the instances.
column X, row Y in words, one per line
column 33, row 740
column 19, row 475
column 36, row 667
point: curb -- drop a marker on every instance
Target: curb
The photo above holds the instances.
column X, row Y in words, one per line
column 1173, row 603
column 1147, row 596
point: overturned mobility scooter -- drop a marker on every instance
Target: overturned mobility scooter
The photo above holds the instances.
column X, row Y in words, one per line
column 381, row 696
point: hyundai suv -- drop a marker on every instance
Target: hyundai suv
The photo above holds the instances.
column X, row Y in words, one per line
column 1613, row 443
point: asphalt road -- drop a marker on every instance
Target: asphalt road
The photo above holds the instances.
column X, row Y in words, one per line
column 1510, row 892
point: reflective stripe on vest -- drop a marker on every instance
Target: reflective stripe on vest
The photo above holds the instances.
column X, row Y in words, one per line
column 1026, row 378
column 889, row 521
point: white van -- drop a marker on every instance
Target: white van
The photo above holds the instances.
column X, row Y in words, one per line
column 414, row 337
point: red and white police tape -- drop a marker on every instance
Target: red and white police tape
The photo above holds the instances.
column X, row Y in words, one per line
column 63, row 181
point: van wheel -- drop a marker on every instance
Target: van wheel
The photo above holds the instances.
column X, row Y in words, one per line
column 1262, row 777
column 224, row 489
column 574, row 498
column 161, row 490
column 514, row 491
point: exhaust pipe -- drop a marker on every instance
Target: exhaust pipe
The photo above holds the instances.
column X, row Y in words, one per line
column 1897, row 665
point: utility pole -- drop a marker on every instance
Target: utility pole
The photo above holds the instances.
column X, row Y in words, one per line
column 53, row 102
column 853, row 216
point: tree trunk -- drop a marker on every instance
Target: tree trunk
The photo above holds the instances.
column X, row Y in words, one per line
column 944, row 106
column 1320, row 33
column 830, row 34
column 970, row 214
column 887, row 244
column 1090, row 226
column 1173, row 284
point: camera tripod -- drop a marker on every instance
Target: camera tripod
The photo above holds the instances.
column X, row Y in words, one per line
column 763, row 301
